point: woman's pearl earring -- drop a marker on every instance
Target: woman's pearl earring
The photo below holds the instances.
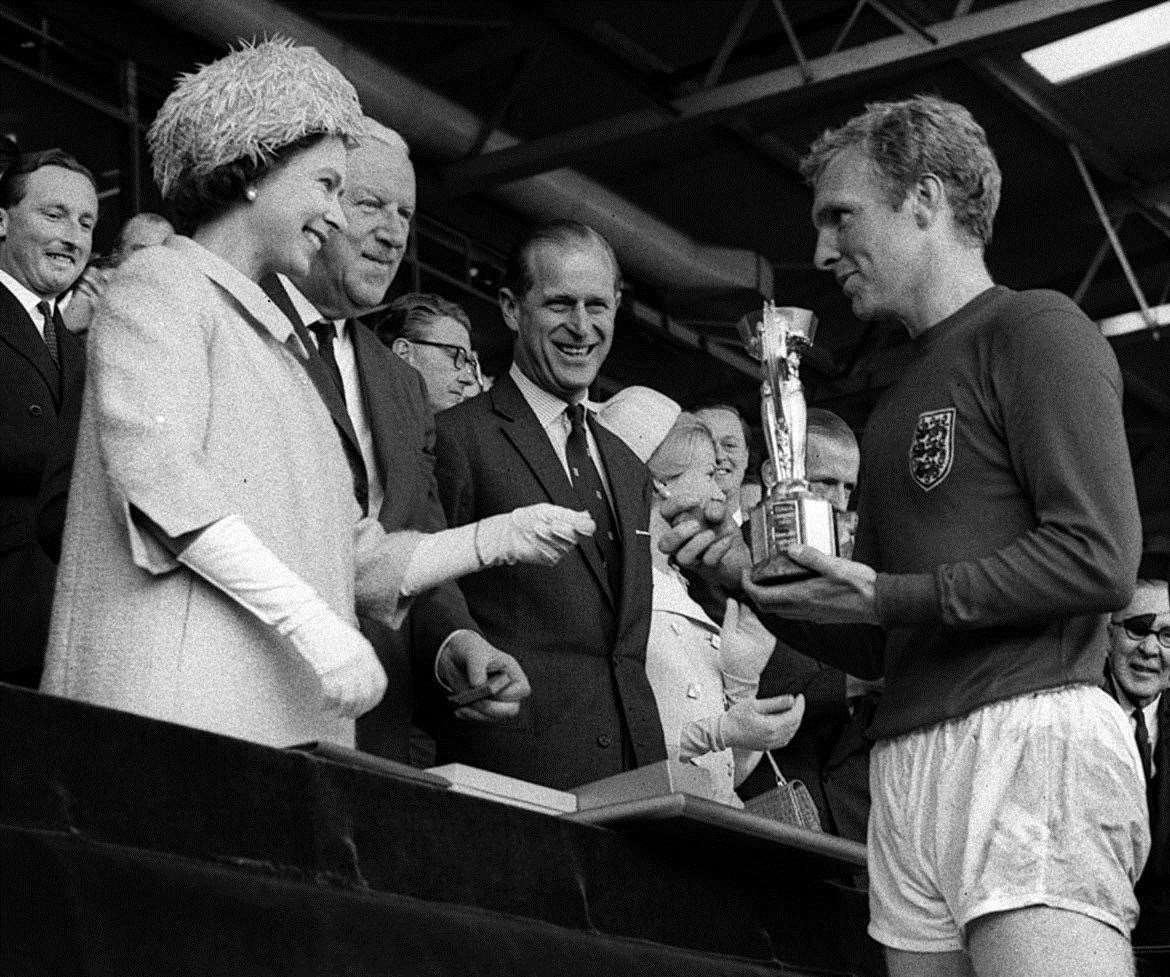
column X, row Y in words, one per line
column 250, row 193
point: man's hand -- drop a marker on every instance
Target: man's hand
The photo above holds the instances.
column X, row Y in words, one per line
column 842, row 593
column 762, row 724
column 468, row 659
column 712, row 548
column 90, row 287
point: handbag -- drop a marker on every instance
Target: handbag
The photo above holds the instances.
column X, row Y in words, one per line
column 788, row 802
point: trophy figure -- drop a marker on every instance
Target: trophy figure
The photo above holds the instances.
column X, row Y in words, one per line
column 788, row 513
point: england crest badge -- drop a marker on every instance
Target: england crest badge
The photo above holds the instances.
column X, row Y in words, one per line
column 933, row 449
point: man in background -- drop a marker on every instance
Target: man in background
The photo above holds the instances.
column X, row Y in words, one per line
column 434, row 336
column 140, row 231
column 1138, row 677
column 143, row 230
column 48, row 210
column 731, row 445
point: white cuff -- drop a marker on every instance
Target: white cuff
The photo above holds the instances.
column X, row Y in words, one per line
column 439, row 558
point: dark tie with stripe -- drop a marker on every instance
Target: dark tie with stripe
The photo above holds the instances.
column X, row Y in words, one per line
column 590, row 490
column 50, row 334
column 325, row 333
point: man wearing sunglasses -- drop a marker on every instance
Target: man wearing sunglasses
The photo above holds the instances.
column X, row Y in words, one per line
column 434, row 336
column 1138, row 677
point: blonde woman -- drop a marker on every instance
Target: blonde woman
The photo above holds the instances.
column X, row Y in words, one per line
column 705, row 677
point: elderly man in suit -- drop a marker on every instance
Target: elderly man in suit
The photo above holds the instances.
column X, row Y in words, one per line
column 578, row 629
column 48, row 209
column 380, row 411
column 1138, row 677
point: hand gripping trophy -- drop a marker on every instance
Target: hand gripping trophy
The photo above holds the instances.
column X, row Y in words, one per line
column 789, row 513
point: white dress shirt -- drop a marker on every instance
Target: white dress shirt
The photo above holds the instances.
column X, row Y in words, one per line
column 1150, row 712
column 552, row 414
column 29, row 299
column 343, row 351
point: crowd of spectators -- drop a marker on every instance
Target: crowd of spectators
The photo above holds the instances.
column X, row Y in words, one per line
column 259, row 516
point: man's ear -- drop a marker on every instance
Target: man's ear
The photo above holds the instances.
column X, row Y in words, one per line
column 927, row 199
column 401, row 346
column 510, row 309
column 3, row 224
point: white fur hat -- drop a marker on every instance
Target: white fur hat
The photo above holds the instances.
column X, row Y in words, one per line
column 252, row 102
column 641, row 417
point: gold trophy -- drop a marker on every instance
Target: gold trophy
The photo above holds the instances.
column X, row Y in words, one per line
column 788, row 513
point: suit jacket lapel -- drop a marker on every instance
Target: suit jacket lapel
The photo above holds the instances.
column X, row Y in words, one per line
column 391, row 440
column 521, row 426
column 17, row 329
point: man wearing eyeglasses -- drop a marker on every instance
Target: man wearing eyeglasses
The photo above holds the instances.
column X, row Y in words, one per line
column 1138, row 677
column 434, row 336
column 380, row 410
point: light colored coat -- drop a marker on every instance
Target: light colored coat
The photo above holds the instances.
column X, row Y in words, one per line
column 198, row 407
column 682, row 663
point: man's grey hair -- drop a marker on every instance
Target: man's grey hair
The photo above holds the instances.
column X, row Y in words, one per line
column 374, row 131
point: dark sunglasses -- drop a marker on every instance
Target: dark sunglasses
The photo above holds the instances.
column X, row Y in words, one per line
column 1140, row 626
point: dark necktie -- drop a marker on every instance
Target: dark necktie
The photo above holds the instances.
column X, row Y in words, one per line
column 46, row 311
column 1142, row 735
column 326, row 333
column 587, row 483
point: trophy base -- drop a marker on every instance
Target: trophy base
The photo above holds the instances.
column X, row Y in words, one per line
column 781, row 520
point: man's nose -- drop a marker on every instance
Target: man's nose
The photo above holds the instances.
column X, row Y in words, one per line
column 335, row 215
column 77, row 236
column 576, row 319
column 827, row 253
column 393, row 232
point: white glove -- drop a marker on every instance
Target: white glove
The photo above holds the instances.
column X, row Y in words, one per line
column 352, row 679
column 539, row 534
column 229, row 556
column 745, row 646
column 751, row 724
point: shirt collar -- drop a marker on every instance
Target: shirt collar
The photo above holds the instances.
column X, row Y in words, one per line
column 25, row 296
column 306, row 309
column 547, row 407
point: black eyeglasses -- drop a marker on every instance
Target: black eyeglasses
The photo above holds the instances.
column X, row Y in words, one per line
column 1140, row 626
column 459, row 356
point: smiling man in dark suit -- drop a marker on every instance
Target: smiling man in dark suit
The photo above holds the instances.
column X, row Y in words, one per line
column 48, row 209
column 579, row 629
column 379, row 408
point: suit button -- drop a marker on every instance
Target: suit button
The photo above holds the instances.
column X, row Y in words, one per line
column 36, row 410
column 604, row 740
